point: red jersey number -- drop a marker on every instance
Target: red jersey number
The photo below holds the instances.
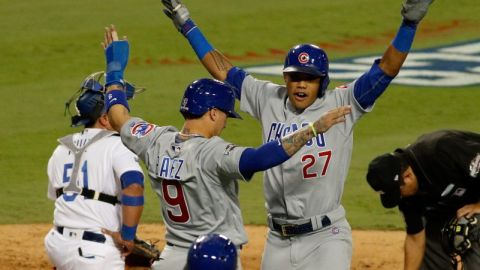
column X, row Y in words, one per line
column 175, row 199
column 309, row 162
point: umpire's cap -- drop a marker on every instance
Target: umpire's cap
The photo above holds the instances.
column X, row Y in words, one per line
column 310, row 59
column 212, row 251
column 205, row 94
column 384, row 176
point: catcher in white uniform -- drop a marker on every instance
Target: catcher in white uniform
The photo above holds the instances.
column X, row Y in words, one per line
column 308, row 229
column 193, row 171
column 96, row 183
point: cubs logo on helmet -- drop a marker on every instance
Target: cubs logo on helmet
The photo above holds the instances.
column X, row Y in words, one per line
column 310, row 59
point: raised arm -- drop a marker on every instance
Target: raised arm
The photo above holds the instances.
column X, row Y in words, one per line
column 274, row 153
column 116, row 55
column 373, row 83
column 215, row 62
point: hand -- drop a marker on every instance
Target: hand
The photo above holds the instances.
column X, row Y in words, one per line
column 469, row 210
column 126, row 247
column 415, row 10
column 331, row 118
column 177, row 12
column 116, row 54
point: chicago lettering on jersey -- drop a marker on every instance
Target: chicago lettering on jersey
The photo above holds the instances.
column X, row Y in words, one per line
column 279, row 130
column 169, row 168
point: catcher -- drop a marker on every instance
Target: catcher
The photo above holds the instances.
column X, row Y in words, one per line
column 436, row 183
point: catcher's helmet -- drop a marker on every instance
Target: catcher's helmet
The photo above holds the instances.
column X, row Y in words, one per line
column 205, row 94
column 310, row 59
column 89, row 99
column 212, row 251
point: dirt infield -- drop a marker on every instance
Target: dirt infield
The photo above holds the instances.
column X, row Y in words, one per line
column 22, row 247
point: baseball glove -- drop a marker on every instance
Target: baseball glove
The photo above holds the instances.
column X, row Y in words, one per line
column 459, row 233
column 143, row 254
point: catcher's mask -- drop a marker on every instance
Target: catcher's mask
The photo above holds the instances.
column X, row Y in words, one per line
column 459, row 234
column 89, row 99
column 212, row 251
column 205, row 94
column 310, row 59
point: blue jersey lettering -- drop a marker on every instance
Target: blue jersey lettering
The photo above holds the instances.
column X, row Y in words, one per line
column 170, row 168
column 279, row 130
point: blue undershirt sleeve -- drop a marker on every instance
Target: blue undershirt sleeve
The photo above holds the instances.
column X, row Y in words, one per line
column 259, row 159
column 371, row 85
column 235, row 77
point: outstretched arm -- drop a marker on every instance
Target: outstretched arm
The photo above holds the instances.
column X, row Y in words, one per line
column 373, row 83
column 215, row 62
column 274, row 153
column 414, row 250
column 116, row 54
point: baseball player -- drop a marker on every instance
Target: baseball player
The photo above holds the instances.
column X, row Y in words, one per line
column 194, row 171
column 96, row 183
column 308, row 229
column 432, row 180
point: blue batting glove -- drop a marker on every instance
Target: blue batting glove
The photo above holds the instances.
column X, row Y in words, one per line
column 116, row 55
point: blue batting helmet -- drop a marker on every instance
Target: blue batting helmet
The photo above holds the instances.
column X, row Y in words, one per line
column 89, row 99
column 212, row 251
column 310, row 59
column 205, row 94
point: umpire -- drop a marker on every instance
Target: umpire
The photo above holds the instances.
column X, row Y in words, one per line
column 432, row 181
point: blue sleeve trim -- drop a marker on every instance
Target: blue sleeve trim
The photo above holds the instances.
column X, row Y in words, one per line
column 371, row 85
column 116, row 97
column 197, row 40
column 128, row 232
column 404, row 38
column 235, row 77
column 264, row 157
column 131, row 177
column 133, row 200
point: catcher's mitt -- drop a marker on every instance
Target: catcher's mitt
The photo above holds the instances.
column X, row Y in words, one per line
column 459, row 233
column 143, row 254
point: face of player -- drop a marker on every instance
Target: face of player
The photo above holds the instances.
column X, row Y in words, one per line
column 410, row 186
column 302, row 89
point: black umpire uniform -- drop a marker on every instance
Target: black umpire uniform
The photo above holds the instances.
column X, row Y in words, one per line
column 446, row 164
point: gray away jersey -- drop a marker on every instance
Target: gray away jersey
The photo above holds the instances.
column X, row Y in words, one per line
column 194, row 179
column 311, row 182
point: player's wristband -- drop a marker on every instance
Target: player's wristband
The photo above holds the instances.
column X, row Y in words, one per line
column 114, row 97
column 128, row 232
column 404, row 38
column 197, row 40
column 133, row 200
column 313, row 129
column 131, row 177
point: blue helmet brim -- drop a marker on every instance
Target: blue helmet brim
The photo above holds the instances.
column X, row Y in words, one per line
column 304, row 69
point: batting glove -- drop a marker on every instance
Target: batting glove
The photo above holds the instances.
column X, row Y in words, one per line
column 414, row 10
column 116, row 55
column 177, row 12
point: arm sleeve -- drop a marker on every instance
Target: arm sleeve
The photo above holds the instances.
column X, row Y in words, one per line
column 235, row 77
column 138, row 135
column 371, row 85
column 126, row 164
column 411, row 209
column 223, row 158
column 256, row 94
column 262, row 158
